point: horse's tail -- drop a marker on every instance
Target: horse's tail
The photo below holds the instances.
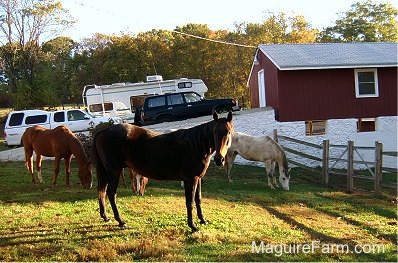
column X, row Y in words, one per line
column 28, row 148
column 98, row 162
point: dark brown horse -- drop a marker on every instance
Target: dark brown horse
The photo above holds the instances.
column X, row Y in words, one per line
column 59, row 143
column 182, row 155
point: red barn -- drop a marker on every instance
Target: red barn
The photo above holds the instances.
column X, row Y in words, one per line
column 305, row 82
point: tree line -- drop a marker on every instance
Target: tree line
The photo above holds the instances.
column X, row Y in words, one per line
column 52, row 73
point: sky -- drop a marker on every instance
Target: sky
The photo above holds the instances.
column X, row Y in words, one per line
column 135, row 16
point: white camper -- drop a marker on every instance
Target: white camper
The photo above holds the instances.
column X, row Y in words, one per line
column 122, row 99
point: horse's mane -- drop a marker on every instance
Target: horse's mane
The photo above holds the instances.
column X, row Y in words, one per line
column 200, row 137
column 281, row 151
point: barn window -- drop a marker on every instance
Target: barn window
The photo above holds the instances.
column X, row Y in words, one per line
column 315, row 128
column 366, row 84
column 366, row 125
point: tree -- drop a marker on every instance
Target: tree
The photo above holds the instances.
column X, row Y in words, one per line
column 301, row 31
column 54, row 74
column 23, row 24
column 364, row 22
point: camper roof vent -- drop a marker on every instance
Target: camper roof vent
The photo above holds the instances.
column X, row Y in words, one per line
column 154, row 78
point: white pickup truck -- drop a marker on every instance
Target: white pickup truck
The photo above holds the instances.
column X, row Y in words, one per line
column 76, row 120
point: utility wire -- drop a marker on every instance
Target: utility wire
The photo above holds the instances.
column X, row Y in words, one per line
column 213, row 40
column 79, row 2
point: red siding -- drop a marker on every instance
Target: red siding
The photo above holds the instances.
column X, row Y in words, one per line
column 322, row 94
column 330, row 94
column 271, row 82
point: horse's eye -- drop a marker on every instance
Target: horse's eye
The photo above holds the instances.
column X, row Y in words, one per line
column 284, row 178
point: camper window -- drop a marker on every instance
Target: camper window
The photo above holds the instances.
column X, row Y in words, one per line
column 98, row 107
column 185, row 85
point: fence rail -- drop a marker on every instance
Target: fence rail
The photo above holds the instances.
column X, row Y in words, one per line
column 327, row 162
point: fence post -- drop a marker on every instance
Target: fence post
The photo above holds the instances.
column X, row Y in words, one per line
column 378, row 167
column 276, row 135
column 350, row 166
column 325, row 162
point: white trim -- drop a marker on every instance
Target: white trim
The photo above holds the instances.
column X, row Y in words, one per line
column 251, row 70
column 376, row 94
column 262, row 101
column 334, row 67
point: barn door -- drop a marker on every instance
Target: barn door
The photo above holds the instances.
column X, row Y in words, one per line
column 261, row 89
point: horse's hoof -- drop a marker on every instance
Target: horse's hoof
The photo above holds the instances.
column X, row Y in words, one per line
column 106, row 219
column 203, row 222
column 194, row 229
column 122, row 225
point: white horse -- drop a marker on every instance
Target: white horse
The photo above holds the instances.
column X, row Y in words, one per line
column 263, row 149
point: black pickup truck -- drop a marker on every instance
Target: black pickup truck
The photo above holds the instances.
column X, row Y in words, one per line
column 182, row 105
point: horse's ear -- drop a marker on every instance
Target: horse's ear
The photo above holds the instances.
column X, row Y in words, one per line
column 229, row 117
column 215, row 115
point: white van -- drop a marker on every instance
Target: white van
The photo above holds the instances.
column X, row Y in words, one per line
column 76, row 120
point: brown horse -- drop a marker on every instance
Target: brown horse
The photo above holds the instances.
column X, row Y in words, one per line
column 59, row 143
column 138, row 182
column 182, row 155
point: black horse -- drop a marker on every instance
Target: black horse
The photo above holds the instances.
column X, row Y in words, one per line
column 183, row 155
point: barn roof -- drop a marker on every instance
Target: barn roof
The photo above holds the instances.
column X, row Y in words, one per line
column 331, row 55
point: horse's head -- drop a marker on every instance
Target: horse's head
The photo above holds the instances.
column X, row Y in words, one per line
column 222, row 133
column 85, row 175
column 284, row 178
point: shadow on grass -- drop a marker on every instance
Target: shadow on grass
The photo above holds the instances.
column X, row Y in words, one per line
column 249, row 187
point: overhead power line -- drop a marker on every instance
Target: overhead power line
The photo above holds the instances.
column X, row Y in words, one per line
column 214, row 40
column 79, row 2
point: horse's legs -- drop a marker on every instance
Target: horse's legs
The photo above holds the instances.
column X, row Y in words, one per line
column 198, row 200
column 101, row 200
column 274, row 181
column 39, row 158
column 122, row 176
column 67, row 170
column 190, row 190
column 269, row 172
column 144, row 181
column 29, row 161
column 138, row 180
column 111, row 192
column 230, row 158
column 135, row 181
column 57, row 162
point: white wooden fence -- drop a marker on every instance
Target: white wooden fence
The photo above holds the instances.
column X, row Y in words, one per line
column 328, row 155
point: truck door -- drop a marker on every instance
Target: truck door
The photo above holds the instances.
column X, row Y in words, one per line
column 195, row 104
column 176, row 105
column 58, row 119
column 78, row 121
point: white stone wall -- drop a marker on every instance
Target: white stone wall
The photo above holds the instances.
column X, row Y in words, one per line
column 259, row 122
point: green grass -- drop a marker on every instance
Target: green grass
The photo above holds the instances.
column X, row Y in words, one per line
column 40, row 223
